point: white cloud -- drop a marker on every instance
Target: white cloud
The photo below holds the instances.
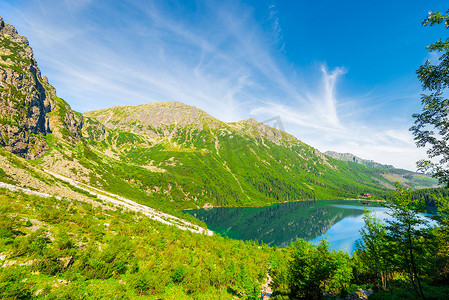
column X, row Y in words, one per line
column 222, row 62
column 319, row 120
column 274, row 19
column 316, row 109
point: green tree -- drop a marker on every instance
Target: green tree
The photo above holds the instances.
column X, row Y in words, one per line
column 373, row 248
column 406, row 231
column 431, row 127
column 279, row 265
column 431, row 130
column 140, row 282
column 249, row 287
column 302, row 280
column 439, row 266
column 315, row 269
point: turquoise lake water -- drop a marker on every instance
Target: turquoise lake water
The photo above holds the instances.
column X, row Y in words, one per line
column 281, row 224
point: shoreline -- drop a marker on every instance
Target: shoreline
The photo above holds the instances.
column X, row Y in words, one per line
column 209, row 206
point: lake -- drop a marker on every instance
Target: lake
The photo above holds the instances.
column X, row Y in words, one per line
column 282, row 224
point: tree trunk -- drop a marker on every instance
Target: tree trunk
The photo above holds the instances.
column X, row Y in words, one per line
column 383, row 276
column 412, row 262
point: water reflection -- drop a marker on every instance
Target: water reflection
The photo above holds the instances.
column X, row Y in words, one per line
column 281, row 224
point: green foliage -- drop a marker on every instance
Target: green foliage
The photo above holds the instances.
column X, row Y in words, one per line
column 433, row 197
column 105, row 253
column 406, row 231
column 431, row 127
column 6, row 178
column 439, row 267
column 400, row 259
column 313, row 269
column 13, row 285
column 373, row 252
column 404, row 254
column 178, row 275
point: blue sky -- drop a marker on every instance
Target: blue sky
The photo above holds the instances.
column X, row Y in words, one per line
column 340, row 74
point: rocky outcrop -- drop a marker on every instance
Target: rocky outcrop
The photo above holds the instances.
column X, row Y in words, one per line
column 93, row 130
column 29, row 107
column 261, row 130
column 360, row 294
column 157, row 119
column 353, row 158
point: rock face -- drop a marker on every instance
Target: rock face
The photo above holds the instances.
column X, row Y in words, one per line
column 353, row 158
column 29, row 107
column 172, row 118
column 155, row 119
column 260, row 130
column 93, row 130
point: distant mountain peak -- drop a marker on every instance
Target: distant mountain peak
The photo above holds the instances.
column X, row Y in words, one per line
column 167, row 153
column 356, row 159
column 257, row 129
column 164, row 116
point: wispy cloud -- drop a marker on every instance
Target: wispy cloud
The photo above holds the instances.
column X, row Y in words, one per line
column 316, row 107
column 321, row 120
column 99, row 55
column 274, row 19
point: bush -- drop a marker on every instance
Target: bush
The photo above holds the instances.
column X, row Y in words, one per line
column 12, row 284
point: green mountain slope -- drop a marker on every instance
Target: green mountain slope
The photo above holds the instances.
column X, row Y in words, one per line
column 407, row 178
column 204, row 160
column 68, row 249
column 167, row 155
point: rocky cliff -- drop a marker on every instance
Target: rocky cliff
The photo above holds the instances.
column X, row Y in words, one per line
column 167, row 153
column 353, row 158
column 29, row 107
column 157, row 119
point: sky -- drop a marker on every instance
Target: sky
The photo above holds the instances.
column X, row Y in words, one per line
column 340, row 75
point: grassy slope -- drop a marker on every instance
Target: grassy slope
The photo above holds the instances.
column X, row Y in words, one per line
column 177, row 167
column 67, row 248
column 173, row 156
column 404, row 177
column 241, row 173
column 225, row 165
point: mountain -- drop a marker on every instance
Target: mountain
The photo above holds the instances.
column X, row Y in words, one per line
column 168, row 155
column 353, row 158
column 85, row 198
column 29, row 108
column 407, row 178
column 202, row 160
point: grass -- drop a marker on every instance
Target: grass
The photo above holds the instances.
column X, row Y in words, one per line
column 95, row 253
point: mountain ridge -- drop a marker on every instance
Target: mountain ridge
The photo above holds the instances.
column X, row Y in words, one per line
column 30, row 108
column 167, row 155
column 356, row 159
